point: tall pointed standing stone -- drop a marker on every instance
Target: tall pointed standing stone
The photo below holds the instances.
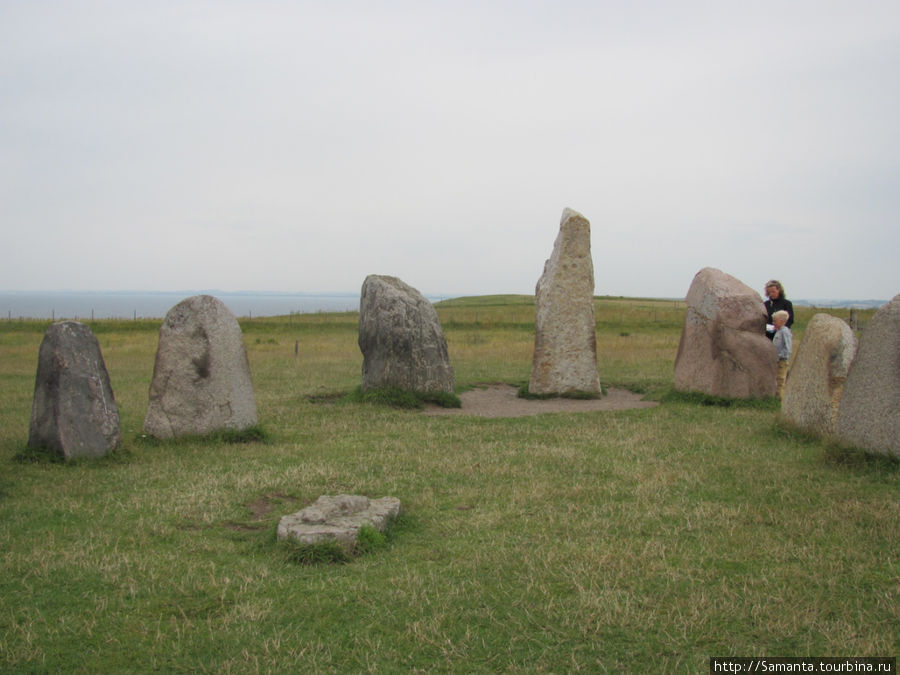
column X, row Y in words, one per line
column 74, row 411
column 401, row 338
column 201, row 378
column 565, row 338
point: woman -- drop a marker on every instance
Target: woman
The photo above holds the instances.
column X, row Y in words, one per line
column 777, row 302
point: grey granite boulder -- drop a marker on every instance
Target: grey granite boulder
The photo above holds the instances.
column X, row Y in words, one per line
column 201, row 378
column 338, row 518
column 818, row 371
column 401, row 339
column 565, row 338
column 74, row 411
column 724, row 350
column 869, row 413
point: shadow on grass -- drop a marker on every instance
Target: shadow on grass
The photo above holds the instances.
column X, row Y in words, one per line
column 699, row 398
column 321, row 553
column 43, row 455
column 401, row 398
column 577, row 395
column 835, row 453
column 254, row 434
column 29, row 455
column 848, row 457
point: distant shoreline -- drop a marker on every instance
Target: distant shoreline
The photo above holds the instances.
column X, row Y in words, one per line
column 834, row 304
column 55, row 305
column 155, row 304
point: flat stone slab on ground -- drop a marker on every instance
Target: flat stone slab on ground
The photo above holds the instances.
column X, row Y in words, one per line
column 338, row 518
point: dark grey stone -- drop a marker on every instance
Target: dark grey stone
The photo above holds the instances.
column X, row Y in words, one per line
column 74, row 411
column 401, row 339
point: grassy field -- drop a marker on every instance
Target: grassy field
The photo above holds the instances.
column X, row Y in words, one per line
column 642, row 541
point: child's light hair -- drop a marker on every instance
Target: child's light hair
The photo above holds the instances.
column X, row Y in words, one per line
column 781, row 315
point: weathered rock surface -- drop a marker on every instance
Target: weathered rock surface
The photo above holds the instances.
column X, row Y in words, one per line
column 74, row 411
column 201, row 378
column 565, row 339
column 869, row 412
column 818, row 371
column 401, row 339
column 724, row 350
column 338, row 518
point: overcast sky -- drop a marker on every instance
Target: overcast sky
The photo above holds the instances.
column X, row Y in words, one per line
column 299, row 146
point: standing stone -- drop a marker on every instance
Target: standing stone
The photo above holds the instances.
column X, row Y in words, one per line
column 724, row 350
column 869, row 413
column 74, row 411
column 401, row 339
column 201, row 378
column 565, row 338
column 818, row 371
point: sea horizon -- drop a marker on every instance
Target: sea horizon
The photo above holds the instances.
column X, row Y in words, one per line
column 125, row 304
column 129, row 304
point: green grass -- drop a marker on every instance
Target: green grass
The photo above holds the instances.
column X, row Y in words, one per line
column 639, row 541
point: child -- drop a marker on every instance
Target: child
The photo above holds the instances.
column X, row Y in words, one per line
column 782, row 341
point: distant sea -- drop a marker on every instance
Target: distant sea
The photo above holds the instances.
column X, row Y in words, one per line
column 155, row 304
column 133, row 304
column 828, row 303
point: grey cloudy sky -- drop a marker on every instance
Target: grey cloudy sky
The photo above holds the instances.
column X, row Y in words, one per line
column 299, row 146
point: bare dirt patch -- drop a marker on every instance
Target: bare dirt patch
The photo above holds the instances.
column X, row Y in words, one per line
column 502, row 400
column 260, row 508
